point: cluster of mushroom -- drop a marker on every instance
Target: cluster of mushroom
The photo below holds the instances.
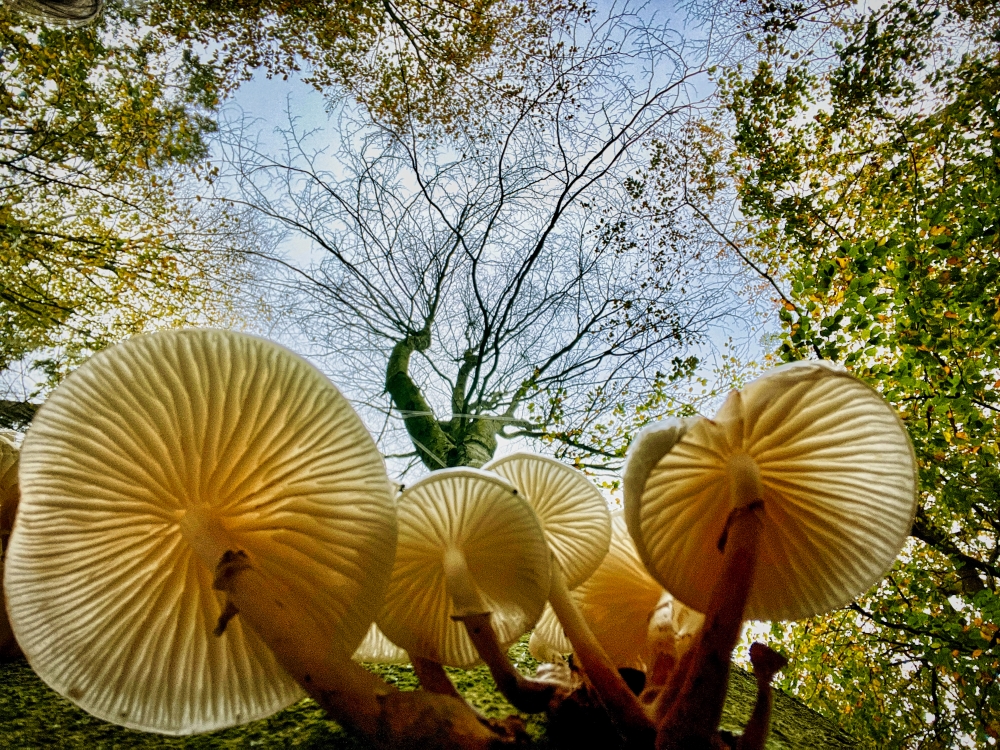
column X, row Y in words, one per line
column 206, row 531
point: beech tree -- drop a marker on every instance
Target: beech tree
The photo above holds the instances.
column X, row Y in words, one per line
column 510, row 284
column 411, row 63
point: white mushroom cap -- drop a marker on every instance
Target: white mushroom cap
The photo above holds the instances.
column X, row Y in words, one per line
column 145, row 465
column 379, row 649
column 836, row 473
column 572, row 511
column 616, row 601
column 470, row 521
column 653, row 442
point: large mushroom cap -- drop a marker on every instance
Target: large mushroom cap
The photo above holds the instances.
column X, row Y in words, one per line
column 572, row 511
column 834, row 468
column 141, row 468
column 479, row 518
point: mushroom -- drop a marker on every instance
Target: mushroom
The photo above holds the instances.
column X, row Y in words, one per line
column 471, row 576
column 616, row 601
column 138, row 474
column 577, row 525
column 796, row 498
column 629, row 613
column 9, row 496
column 573, row 513
column 205, row 522
column 548, row 642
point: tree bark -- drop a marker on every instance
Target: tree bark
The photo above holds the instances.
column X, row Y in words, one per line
column 429, row 439
column 462, row 440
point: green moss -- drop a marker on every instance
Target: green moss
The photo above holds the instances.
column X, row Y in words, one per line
column 32, row 716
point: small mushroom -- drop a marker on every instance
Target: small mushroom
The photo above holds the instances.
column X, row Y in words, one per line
column 471, row 574
column 617, row 601
column 796, row 498
column 151, row 463
column 378, row 649
column 548, row 642
column 630, row 614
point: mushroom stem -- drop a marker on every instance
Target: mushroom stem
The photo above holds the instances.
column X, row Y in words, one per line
column 766, row 664
column 618, row 698
column 694, row 717
column 459, row 584
column 530, row 696
column 524, row 694
column 345, row 690
column 433, row 677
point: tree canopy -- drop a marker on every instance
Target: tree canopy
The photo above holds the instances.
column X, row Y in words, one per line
column 412, row 63
column 104, row 124
column 867, row 165
column 508, row 282
column 97, row 235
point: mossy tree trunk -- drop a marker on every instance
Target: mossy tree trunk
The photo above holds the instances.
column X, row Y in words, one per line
column 465, row 439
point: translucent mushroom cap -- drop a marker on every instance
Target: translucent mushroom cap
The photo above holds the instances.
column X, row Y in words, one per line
column 379, row 649
column 145, row 465
column 616, row 601
column 480, row 519
column 833, row 466
column 572, row 511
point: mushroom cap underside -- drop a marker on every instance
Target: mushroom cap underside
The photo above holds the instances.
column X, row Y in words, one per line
column 573, row 512
column 479, row 518
column 834, row 468
column 145, row 464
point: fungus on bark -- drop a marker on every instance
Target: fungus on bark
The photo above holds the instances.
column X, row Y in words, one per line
column 795, row 499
